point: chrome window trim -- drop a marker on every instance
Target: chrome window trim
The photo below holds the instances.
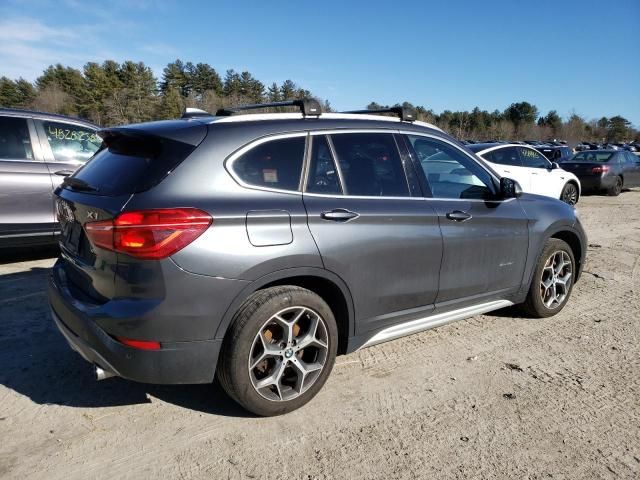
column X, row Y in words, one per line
column 228, row 163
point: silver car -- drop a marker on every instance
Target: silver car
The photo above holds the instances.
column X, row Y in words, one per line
column 37, row 150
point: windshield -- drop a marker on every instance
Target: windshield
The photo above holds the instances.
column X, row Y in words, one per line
column 600, row 157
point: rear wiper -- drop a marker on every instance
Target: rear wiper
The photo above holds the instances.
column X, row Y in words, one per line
column 78, row 184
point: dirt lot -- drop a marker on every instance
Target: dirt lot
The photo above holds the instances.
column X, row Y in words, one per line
column 497, row 396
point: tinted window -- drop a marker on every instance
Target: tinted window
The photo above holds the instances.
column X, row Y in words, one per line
column 71, row 143
column 323, row 177
column 15, row 143
column 370, row 165
column 131, row 165
column 450, row 173
column 273, row 164
column 504, row 156
column 532, row 159
column 592, row 157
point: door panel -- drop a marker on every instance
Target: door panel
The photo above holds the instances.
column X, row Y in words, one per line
column 389, row 255
column 632, row 170
column 543, row 179
column 483, row 254
column 485, row 240
column 26, row 193
column 387, row 248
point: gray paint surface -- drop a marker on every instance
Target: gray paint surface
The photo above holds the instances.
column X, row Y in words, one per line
column 399, row 260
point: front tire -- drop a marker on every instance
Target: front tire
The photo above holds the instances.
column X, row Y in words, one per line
column 570, row 194
column 279, row 350
column 552, row 281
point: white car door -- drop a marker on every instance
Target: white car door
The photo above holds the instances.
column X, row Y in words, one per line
column 544, row 179
column 506, row 161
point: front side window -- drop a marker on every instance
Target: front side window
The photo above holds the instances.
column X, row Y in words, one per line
column 272, row 164
column 450, row 173
column 71, row 143
column 370, row 165
column 323, row 176
column 532, row 158
column 15, row 142
column 504, row 156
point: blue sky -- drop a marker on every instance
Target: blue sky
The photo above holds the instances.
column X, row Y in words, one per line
column 570, row 55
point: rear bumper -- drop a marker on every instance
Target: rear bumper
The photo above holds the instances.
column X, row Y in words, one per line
column 174, row 363
column 591, row 183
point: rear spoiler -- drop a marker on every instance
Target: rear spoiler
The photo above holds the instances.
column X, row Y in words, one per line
column 157, row 132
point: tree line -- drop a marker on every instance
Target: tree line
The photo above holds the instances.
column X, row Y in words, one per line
column 523, row 121
column 113, row 93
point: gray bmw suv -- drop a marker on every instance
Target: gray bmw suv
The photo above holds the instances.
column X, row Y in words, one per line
column 258, row 247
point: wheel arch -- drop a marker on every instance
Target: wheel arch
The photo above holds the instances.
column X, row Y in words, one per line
column 331, row 288
column 573, row 240
column 576, row 182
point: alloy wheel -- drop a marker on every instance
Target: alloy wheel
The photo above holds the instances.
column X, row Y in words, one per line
column 570, row 194
column 556, row 279
column 288, row 353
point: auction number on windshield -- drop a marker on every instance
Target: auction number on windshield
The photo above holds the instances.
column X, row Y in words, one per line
column 69, row 134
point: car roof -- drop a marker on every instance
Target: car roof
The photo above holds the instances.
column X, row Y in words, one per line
column 273, row 123
column 18, row 112
column 481, row 147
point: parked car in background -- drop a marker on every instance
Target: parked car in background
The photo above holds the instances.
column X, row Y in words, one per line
column 37, row 150
column 531, row 169
column 555, row 153
column 609, row 170
column 255, row 248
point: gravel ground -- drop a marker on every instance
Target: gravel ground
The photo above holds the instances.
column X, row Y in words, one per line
column 496, row 396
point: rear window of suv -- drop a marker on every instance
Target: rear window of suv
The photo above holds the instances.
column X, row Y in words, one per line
column 126, row 165
column 273, row 164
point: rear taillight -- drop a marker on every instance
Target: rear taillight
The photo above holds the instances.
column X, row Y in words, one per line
column 149, row 234
column 602, row 169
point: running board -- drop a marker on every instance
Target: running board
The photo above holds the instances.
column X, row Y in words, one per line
column 432, row 321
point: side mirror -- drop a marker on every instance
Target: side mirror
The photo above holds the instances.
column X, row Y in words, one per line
column 509, row 188
column 554, row 165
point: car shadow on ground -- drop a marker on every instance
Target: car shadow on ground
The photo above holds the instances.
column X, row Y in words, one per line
column 38, row 363
column 27, row 254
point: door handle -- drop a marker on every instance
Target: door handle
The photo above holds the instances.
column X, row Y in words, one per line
column 64, row 173
column 339, row 215
column 458, row 216
column 507, row 171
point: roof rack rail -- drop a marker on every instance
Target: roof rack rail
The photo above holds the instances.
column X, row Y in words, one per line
column 308, row 107
column 191, row 112
column 405, row 114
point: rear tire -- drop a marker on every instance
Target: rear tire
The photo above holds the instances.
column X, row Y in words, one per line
column 279, row 350
column 616, row 189
column 570, row 194
column 552, row 281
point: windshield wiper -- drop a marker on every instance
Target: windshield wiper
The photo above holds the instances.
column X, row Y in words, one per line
column 78, row 184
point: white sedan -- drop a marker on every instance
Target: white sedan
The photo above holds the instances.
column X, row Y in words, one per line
column 530, row 169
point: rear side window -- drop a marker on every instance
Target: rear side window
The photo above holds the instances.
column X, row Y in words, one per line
column 71, row 143
column 132, row 164
column 15, row 142
column 272, row 164
column 370, row 165
column 504, row 156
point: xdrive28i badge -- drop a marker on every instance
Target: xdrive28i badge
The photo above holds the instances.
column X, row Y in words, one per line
column 65, row 212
